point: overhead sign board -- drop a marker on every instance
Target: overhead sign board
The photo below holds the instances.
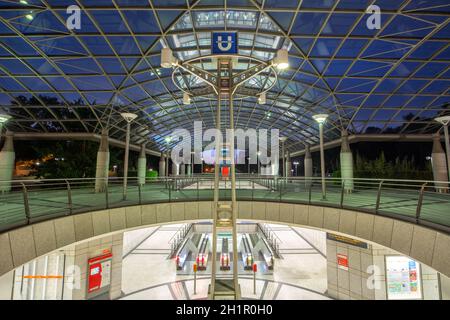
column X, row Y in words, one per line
column 346, row 240
column 224, row 43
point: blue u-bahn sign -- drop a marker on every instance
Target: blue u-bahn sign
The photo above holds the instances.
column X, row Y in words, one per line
column 224, row 43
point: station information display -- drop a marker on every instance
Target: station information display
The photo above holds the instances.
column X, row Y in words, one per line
column 403, row 279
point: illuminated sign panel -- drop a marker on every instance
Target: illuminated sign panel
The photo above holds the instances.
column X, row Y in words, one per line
column 224, row 43
column 403, row 278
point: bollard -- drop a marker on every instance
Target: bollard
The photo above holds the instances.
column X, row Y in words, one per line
column 195, row 278
column 255, row 268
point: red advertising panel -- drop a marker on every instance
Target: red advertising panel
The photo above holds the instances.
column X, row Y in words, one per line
column 225, row 171
column 99, row 272
column 342, row 261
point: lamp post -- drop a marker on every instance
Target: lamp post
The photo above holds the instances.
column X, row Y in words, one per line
column 258, row 154
column 296, row 163
column 249, row 164
column 167, row 140
column 192, row 163
column 129, row 117
column 3, row 119
column 283, row 160
column 225, row 86
column 445, row 121
column 321, row 118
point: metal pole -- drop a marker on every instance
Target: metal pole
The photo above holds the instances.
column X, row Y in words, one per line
column 26, row 204
column 420, row 201
column 69, row 197
column 125, row 162
column 322, row 162
column 283, row 161
column 195, row 281
column 259, row 164
column 254, row 280
column 233, row 201
column 216, row 198
column 447, row 149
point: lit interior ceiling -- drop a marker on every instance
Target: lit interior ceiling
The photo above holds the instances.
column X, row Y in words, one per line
column 391, row 80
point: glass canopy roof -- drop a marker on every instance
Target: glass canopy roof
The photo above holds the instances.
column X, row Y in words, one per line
column 389, row 80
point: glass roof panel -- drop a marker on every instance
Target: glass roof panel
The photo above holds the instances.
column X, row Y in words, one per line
column 393, row 79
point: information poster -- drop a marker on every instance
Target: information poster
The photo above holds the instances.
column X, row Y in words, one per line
column 403, row 278
column 99, row 275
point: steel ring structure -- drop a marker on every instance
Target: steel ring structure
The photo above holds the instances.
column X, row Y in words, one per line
column 263, row 69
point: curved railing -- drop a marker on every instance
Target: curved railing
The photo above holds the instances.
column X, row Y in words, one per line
column 30, row 201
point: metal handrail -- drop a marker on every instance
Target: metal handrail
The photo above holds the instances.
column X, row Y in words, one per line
column 73, row 194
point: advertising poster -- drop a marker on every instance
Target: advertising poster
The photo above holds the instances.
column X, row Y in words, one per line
column 403, row 278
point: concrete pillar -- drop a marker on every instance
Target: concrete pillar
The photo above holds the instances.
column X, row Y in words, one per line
column 102, row 169
column 6, row 285
column 175, row 168
column 439, row 163
column 188, row 169
column 288, row 165
column 142, row 165
column 7, row 162
column 162, row 165
column 275, row 169
column 77, row 268
column 182, row 169
column 346, row 163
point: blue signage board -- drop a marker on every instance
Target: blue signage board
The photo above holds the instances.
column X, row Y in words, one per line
column 224, row 43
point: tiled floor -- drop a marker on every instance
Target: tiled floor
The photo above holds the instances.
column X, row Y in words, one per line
column 148, row 275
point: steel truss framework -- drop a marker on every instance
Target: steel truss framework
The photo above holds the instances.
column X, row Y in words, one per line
column 391, row 80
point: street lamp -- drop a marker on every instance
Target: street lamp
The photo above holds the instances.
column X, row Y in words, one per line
column 192, row 162
column 129, row 117
column 167, row 58
column 296, row 163
column 167, row 139
column 281, row 60
column 3, row 119
column 445, row 120
column 186, row 98
column 262, row 98
column 249, row 164
column 258, row 154
column 321, row 118
column 283, row 151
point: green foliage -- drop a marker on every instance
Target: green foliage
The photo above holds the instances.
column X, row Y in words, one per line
column 380, row 168
column 79, row 159
column 152, row 174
